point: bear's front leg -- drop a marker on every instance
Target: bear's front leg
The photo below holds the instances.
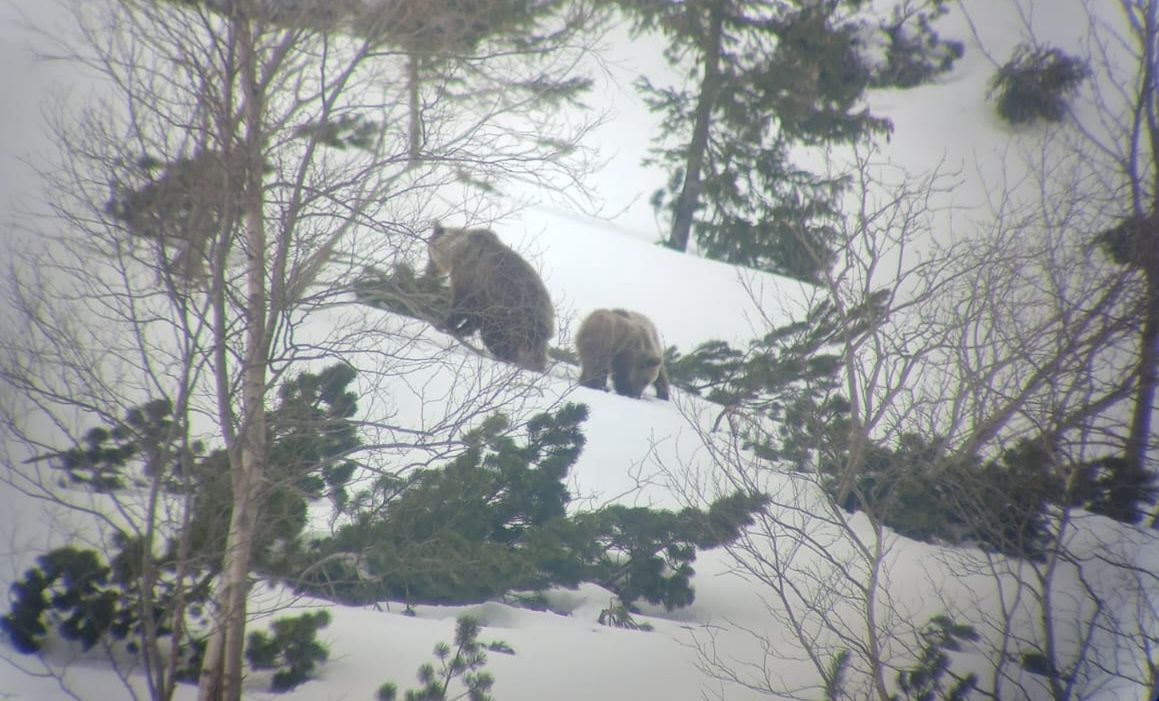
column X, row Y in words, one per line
column 594, row 380
column 461, row 323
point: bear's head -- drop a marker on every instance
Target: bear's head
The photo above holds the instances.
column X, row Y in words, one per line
column 439, row 250
column 448, row 247
column 632, row 372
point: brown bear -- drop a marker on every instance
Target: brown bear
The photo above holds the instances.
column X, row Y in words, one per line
column 625, row 344
column 494, row 291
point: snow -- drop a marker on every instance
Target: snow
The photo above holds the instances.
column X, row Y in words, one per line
column 640, row 452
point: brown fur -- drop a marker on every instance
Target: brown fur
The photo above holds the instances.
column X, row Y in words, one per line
column 626, row 345
column 494, row 291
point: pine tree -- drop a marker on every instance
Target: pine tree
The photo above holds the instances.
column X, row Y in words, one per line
column 137, row 596
column 788, row 376
column 310, row 433
column 293, row 649
column 464, row 663
column 495, row 520
column 926, row 680
column 770, row 77
column 1036, row 83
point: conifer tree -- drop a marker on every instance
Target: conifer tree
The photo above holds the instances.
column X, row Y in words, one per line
column 495, row 519
column 1036, row 83
column 292, row 650
column 154, row 580
column 765, row 78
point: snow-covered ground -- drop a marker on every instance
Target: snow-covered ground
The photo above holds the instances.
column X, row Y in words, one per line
column 589, row 263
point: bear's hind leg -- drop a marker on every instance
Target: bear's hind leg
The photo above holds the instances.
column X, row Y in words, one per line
column 533, row 358
column 500, row 343
column 594, row 377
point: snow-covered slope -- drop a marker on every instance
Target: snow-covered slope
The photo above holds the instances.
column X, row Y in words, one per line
column 633, row 448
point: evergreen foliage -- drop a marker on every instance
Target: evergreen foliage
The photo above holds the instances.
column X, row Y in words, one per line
column 192, row 655
column 148, row 435
column 403, row 291
column 1133, row 242
column 642, row 553
column 501, row 647
column 70, row 591
column 618, row 615
column 464, row 663
column 85, row 598
column 790, row 377
column 494, row 520
column 310, row 433
column 823, row 78
column 1036, row 83
column 451, row 534
column 904, row 487
column 1125, row 483
column 1038, row 663
column 926, row 680
column 344, row 132
column 431, row 25
column 181, row 203
column 915, row 52
column 762, row 80
column 835, row 675
column 1001, row 504
column 1112, row 487
column 293, row 649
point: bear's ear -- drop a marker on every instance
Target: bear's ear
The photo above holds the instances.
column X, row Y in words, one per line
column 437, row 232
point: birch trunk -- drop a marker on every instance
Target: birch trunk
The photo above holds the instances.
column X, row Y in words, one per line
column 222, row 669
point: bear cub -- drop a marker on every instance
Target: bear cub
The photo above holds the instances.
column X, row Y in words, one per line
column 493, row 291
column 625, row 344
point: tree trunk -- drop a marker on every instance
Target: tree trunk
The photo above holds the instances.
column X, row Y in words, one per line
column 222, row 668
column 1146, row 238
column 689, row 200
column 416, row 125
column 1139, row 438
column 221, row 671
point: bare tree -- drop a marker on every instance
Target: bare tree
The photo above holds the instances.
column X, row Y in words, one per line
column 824, row 570
column 1057, row 350
column 237, row 164
column 1025, row 334
column 1097, row 168
column 1016, row 334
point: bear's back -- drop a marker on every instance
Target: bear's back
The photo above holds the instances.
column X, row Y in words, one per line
column 608, row 332
column 508, row 288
